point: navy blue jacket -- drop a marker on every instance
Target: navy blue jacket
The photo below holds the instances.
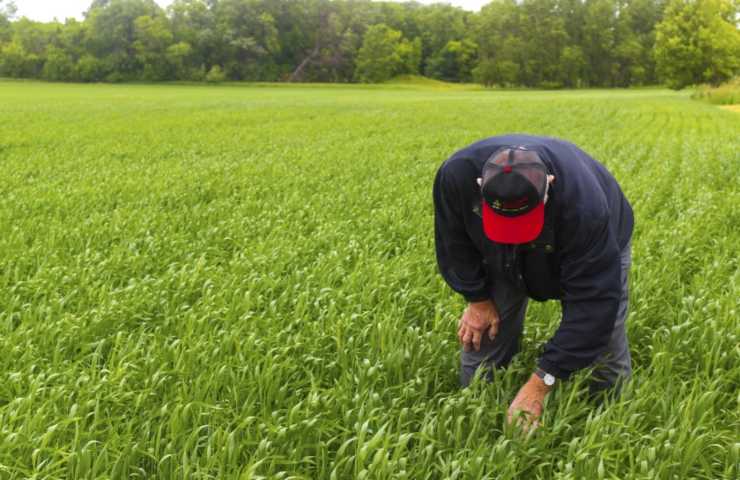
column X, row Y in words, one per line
column 576, row 259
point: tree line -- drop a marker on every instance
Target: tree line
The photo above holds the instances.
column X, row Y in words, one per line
column 531, row 43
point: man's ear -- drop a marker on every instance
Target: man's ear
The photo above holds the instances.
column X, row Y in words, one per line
column 551, row 179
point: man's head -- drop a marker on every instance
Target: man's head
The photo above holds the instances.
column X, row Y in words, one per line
column 514, row 185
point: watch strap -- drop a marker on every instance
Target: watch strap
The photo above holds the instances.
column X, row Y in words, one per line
column 547, row 378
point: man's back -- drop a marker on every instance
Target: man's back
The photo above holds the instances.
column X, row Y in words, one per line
column 584, row 191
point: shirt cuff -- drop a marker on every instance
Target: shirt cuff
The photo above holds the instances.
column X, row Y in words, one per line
column 481, row 297
column 553, row 369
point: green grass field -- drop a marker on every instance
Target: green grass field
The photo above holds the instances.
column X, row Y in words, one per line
column 239, row 282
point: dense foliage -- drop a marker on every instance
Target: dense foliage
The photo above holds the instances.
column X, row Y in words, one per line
column 534, row 43
column 725, row 94
column 229, row 282
column 698, row 41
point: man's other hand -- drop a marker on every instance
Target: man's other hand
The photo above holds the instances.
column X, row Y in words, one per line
column 526, row 408
column 478, row 319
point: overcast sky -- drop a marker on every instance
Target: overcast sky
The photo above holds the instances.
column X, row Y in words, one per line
column 46, row 10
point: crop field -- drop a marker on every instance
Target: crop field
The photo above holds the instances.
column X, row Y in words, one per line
column 239, row 282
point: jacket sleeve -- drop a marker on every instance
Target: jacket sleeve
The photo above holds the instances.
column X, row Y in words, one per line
column 459, row 261
column 590, row 279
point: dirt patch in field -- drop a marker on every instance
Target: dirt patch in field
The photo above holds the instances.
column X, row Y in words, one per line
column 732, row 108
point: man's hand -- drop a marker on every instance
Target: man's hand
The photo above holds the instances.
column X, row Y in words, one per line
column 477, row 320
column 527, row 405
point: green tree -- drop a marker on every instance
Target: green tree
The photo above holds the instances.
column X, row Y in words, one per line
column 698, row 41
column 7, row 12
column 490, row 72
column 248, row 39
column 112, row 35
column 328, row 42
column 71, row 40
column 543, row 36
column 90, row 69
column 58, row 65
column 599, row 25
column 498, row 33
column 437, row 26
column 410, row 54
column 215, row 75
column 454, row 62
column 16, row 62
column 25, row 54
column 635, row 41
column 178, row 56
column 152, row 38
column 572, row 66
column 380, row 57
column 193, row 22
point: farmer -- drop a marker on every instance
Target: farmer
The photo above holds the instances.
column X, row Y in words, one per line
column 519, row 217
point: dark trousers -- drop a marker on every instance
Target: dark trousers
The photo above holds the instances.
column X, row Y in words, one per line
column 613, row 365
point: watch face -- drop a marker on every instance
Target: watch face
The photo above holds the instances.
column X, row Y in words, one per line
column 549, row 380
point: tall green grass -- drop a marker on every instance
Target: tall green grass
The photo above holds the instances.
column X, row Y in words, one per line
column 725, row 94
column 234, row 282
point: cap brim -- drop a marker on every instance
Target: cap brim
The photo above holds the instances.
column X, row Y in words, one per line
column 520, row 229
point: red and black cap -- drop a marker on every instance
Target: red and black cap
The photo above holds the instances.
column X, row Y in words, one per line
column 513, row 186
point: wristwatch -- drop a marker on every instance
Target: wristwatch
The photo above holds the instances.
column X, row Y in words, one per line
column 546, row 377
